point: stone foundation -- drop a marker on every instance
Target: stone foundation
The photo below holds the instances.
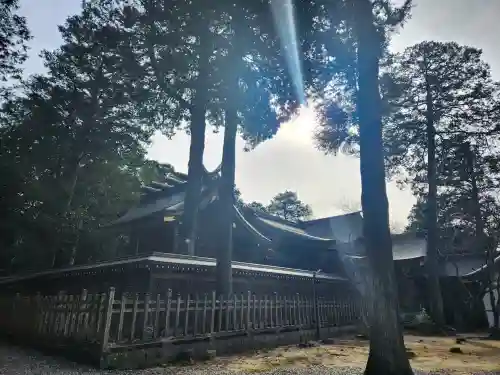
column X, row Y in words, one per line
column 159, row 353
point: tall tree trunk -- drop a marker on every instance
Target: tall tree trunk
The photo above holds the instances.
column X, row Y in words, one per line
column 226, row 201
column 74, row 248
column 197, row 147
column 67, row 207
column 387, row 351
column 481, row 237
column 431, row 259
column 496, row 289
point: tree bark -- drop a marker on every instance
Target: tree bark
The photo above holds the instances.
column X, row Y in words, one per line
column 387, row 351
column 496, row 317
column 74, row 248
column 67, row 207
column 226, row 201
column 431, row 259
column 196, row 150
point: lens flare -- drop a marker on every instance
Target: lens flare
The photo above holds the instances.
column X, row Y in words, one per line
column 284, row 20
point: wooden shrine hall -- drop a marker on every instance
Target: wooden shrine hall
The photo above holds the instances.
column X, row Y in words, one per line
column 270, row 255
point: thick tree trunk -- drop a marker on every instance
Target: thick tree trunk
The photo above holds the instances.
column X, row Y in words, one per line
column 387, row 351
column 195, row 166
column 226, row 201
column 496, row 317
column 431, row 260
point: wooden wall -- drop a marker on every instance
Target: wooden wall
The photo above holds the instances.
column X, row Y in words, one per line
column 262, row 285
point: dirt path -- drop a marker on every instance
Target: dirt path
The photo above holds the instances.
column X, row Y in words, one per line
column 346, row 357
column 431, row 354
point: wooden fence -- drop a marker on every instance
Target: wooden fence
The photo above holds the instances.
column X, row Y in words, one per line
column 111, row 322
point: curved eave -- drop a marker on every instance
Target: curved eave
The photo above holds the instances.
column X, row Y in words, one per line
column 292, row 231
column 168, row 206
column 478, row 274
column 250, row 228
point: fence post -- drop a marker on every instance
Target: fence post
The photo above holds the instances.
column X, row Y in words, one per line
column 235, row 312
column 254, row 312
column 221, row 307
column 204, row 320
column 242, row 312
column 265, row 312
column 156, row 324
column 212, row 315
column 316, row 308
column 134, row 317
column 108, row 315
column 249, row 319
column 186, row 311
column 177, row 314
column 38, row 313
column 276, row 302
column 196, row 308
column 168, row 303
column 123, row 305
column 80, row 315
column 145, row 317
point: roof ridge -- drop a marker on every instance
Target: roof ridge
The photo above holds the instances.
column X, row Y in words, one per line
column 266, row 215
column 330, row 217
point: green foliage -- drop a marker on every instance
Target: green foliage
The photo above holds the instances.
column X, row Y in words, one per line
column 156, row 48
column 289, row 207
column 237, row 198
column 14, row 34
column 462, row 93
column 285, row 205
column 72, row 146
column 257, row 206
column 464, row 109
column 152, row 170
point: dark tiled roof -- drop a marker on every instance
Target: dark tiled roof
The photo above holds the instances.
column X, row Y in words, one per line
column 240, row 219
column 171, row 204
column 277, row 228
column 478, row 269
column 348, row 229
column 269, row 227
column 343, row 228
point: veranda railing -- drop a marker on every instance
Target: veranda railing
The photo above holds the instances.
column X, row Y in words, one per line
column 109, row 320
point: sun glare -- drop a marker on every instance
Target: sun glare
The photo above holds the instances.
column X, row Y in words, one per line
column 284, row 19
column 300, row 129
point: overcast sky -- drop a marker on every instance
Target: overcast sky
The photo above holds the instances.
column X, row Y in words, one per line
column 290, row 161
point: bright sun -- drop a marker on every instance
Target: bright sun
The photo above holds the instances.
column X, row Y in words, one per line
column 301, row 128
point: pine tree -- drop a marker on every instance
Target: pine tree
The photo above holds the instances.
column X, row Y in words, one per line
column 76, row 121
column 352, row 42
column 289, row 207
column 14, row 35
column 201, row 63
column 251, row 75
column 440, row 89
column 387, row 351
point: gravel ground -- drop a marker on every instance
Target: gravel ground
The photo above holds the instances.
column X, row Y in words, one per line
column 17, row 361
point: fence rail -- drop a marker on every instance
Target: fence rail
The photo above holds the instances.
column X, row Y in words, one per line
column 111, row 321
